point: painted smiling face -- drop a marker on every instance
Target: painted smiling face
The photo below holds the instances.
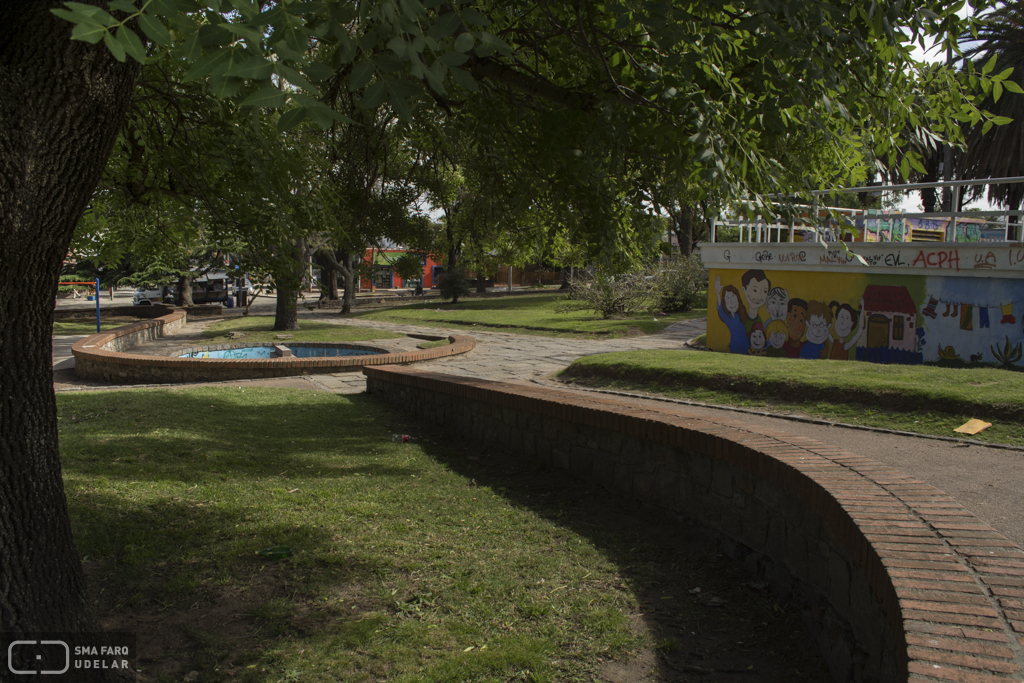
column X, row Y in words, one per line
column 732, row 304
column 817, row 329
column 757, row 339
column 844, row 323
column 756, row 293
column 796, row 321
column 777, row 339
column 776, row 306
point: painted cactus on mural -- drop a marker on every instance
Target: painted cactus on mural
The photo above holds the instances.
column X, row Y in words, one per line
column 952, row 321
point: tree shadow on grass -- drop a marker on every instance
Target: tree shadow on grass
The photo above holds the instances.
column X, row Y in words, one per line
column 706, row 615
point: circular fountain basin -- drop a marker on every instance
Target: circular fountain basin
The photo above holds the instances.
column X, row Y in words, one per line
column 272, row 350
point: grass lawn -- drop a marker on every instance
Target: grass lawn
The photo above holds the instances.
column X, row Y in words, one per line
column 409, row 562
column 526, row 314
column 923, row 399
column 88, row 325
column 258, row 328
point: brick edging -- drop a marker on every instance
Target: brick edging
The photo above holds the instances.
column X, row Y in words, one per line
column 103, row 357
column 928, row 591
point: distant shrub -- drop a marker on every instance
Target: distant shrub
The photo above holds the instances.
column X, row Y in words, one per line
column 453, row 285
column 682, row 282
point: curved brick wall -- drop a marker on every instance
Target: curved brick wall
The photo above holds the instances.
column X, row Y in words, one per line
column 104, row 357
column 898, row 580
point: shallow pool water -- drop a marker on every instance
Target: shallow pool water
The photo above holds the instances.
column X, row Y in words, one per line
column 298, row 351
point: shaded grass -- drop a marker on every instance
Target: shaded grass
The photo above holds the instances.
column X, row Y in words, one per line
column 526, row 314
column 69, row 326
column 922, row 399
column 411, row 562
column 258, row 328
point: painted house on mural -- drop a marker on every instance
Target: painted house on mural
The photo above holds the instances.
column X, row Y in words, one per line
column 891, row 318
column 379, row 272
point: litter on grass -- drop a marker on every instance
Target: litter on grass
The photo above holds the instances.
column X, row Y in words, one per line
column 973, row 427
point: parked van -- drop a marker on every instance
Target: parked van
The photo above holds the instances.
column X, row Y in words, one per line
column 148, row 297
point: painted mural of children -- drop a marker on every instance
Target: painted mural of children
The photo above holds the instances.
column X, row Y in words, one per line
column 796, row 324
column 777, row 334
column 732, row 313
column 755, row 289
column 819, row 318
column 844, row 315
column 757, row 340
column 776, row 306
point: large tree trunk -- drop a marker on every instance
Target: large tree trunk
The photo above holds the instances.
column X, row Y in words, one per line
column 329, row 270
column 286, row 316
column 349, row 263
column 61, row 105
column 294, row 257
column 183, row 297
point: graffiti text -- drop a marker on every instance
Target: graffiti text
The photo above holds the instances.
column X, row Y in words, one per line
column 938, row 259
column 763, row 256
column 793, row 257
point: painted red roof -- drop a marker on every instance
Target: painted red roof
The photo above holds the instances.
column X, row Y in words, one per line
column 889, row 298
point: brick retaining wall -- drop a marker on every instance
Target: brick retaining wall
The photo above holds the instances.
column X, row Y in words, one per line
column 103, row 357
column 898, row 580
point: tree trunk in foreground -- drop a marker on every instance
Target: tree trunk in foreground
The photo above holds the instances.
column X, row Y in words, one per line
column 61, row 106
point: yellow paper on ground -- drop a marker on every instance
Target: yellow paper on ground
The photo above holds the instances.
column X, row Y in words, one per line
column 973, row 427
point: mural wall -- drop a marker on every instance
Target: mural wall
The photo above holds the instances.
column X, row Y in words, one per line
column 883, row 318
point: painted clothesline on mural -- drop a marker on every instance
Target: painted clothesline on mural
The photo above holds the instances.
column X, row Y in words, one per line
column 965, row 311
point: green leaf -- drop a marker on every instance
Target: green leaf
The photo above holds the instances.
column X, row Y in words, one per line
column 400, row 106
column 1013, row 87
column 154, row 29
column 191, row 49
column 997, row 91
column 225, row 86
column 474, row 17
column 97, row 15
column 464, row 79
column 290, row 119
column 374, row 95
column 131, row 43
column 318, row 71
column 1001, row 120
column 454, row 58
column 296, row 78
column 268, row 96
column 361, row 75
column 251, row 35
column 167, row 8
column 254, row 68
column 323, row 115
column 115, row 47
column 206, row 64
column 89, row 32
column 446, row 25
column 465, row 42
column 989, row 65
column 124, row 6
column 987, row 127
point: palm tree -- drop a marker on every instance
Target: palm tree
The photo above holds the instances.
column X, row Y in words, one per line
column 999, row 153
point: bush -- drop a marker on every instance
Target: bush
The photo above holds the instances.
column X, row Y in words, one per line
column 681, row 282
column 612, row 295
column 672, row 286
column 453, row 285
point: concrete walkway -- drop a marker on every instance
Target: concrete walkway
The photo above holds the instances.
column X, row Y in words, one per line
column 987, row 481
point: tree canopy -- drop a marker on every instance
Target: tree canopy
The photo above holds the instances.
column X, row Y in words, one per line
column 573, row 100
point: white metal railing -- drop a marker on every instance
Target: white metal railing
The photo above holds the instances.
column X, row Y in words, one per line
column 835, row 224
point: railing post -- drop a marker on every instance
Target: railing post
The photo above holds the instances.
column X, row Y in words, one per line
column 714, row 223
